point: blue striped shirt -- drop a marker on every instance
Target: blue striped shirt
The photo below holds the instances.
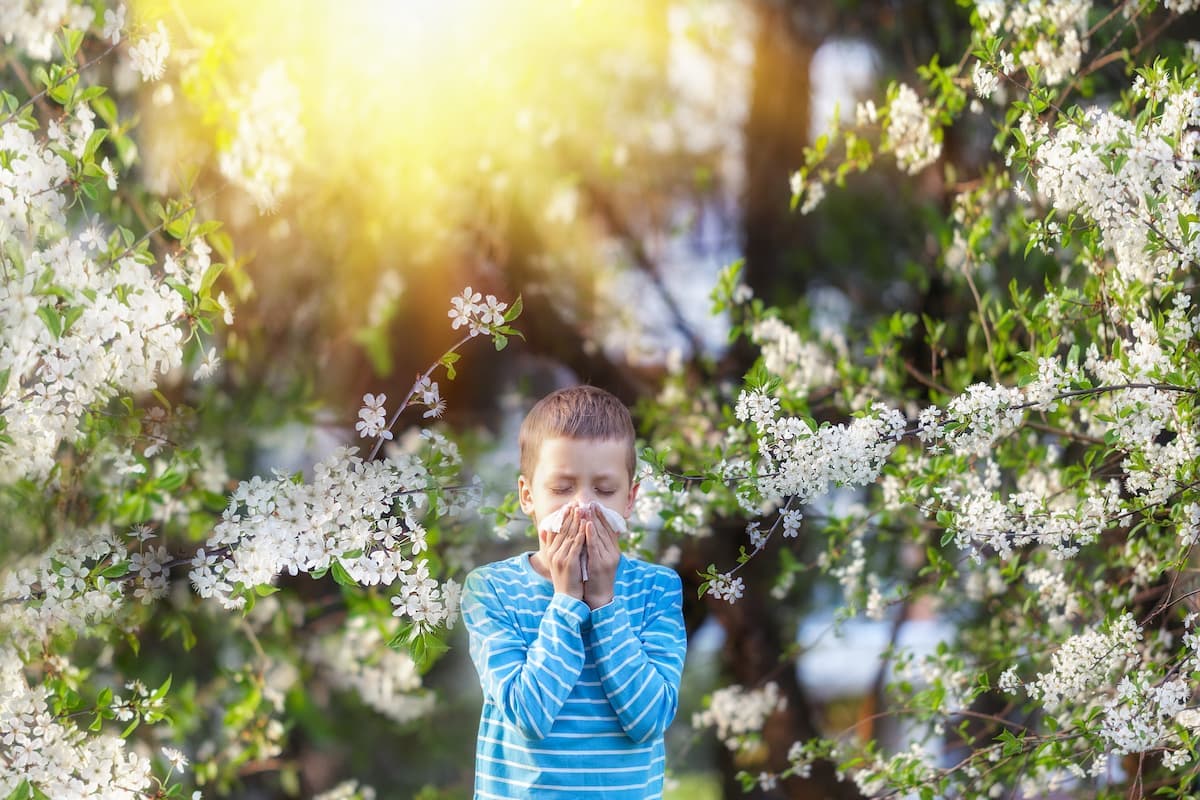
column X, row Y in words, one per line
column 575, row 701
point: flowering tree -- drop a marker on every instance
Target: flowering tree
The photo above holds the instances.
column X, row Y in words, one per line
column 1029, row 467
column 114, row 484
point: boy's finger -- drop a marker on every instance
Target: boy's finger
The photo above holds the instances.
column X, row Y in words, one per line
column 570, row 522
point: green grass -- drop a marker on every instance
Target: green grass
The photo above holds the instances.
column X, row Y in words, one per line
column 694, row 786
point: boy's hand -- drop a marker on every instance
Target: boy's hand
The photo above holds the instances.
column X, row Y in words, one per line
column 603, row 557
column 562, row 551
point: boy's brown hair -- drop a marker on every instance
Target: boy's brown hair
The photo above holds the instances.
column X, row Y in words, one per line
column 577, row 412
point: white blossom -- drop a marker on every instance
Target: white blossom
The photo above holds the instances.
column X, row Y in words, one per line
column 149, row 55
column 738, row 713
column 268, row 135
column 910, row 132
column 114, row 22
column 51, row 753
column 357, row 658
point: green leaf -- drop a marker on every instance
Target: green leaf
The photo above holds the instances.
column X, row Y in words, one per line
column 90, row 93
column 72, row 315
column 93, row 143
column 118, row 570
column 426, row 649
column 448, row 362
column 61, row 93
column 501, row 341
column 133, row 723
column 1012, row 745
column 52, row 319
column 210, row 276
column 265, row 590
column 161, row 691
column 340, row 575
column 205, row 228
column 106, row 108
column 170, row 480
column 514, row 310
column 69, row 40
column 24, row 791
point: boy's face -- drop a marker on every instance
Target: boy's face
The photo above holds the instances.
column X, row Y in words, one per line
column 578, row 471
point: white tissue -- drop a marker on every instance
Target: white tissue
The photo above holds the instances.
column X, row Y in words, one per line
column 554, row 523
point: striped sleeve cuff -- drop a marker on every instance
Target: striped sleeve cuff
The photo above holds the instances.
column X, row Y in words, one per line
column 569, row 607
column 604, row 614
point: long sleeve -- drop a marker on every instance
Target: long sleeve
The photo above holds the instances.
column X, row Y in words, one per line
column 527, row 681
column 640, row 671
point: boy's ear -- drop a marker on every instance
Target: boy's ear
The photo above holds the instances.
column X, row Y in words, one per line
column 525, row 495
column 633, row 490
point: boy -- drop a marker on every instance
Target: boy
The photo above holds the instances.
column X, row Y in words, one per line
column 580, row 678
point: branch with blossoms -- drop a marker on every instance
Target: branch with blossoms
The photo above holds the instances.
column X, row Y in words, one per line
column 1068, row 484
column 831, row 456
column 488, row 318
column 360, row 520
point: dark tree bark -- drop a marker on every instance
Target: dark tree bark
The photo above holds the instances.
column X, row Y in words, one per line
column 776, row 133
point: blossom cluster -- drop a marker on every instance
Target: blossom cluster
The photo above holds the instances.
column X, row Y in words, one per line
column 738, row 713
column 801, row 460
column 912, row 766
column 1141, row 715
column 62, row 588
column 268, row 134
column 1127, row 409
column 727, row 587
column 31, row 27
column 357, row 658
column 1051, row 32
column 1114, row 171
column 372, row 418
column 106, row 323
column 910, row 132
column 148, row 56
column 1086, row 663
column 362, row 520
column 802, row 365
column 478, row 314
column 50, row 752
column 806, row 193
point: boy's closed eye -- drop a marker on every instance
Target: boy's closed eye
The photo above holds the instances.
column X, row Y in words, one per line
column 568, row 490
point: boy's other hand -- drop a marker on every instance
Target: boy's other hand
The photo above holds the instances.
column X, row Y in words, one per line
column 562, row 551
column 604, row 554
